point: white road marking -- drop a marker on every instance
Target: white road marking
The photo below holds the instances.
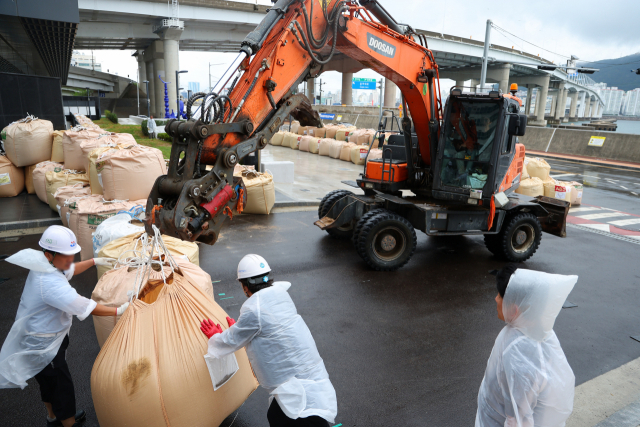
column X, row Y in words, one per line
column 634, row 193
column 601, row 227
column 622, row 222
column 610, row 180
column 622, row 186
column 602, row 215
column 564, row 174
column 572, row 210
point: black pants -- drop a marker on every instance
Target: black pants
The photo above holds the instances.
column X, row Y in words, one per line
column 277, row 418
column 56, row 385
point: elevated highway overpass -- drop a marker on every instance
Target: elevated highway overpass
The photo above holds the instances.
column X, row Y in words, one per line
column 220, row 26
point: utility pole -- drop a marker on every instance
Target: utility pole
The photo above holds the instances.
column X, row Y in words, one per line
column 485, row 56
column 320, row 84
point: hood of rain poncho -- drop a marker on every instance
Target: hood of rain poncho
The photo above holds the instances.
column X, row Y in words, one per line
column 33, row 260
column 533, row 300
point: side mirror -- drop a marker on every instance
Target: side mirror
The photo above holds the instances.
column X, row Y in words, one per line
column 517, row 124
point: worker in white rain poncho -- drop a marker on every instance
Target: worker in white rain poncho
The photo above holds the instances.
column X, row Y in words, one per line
column 280, row 347
column 528, row 381
column 37, row 343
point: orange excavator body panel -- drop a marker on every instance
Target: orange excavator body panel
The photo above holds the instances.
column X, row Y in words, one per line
column 390, row 172
column 515, row 170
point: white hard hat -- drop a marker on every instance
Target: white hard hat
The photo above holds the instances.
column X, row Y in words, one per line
column 251, row 266
column 59, row 239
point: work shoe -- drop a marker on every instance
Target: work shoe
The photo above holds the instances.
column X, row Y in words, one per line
column 81, row 418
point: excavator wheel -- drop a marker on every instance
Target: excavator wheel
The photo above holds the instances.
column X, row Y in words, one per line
column 519, row 238
column 387, row 241
column 362, row 221
column 326, row 204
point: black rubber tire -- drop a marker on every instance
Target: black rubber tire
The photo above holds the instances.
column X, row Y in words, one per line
column 375, row 230
column 344, row 232
column 511, row 233
column 360, row 223
column 493, row 242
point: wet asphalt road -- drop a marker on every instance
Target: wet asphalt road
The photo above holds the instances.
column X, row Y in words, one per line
column 403, row 349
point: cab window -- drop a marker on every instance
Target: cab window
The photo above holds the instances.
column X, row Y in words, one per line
column 469, row 135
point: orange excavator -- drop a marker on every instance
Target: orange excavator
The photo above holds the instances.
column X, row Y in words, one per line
column 449, row 170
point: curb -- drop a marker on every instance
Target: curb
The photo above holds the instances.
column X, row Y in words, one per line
column 296, row 204
column 586, row 162
column 34, row 223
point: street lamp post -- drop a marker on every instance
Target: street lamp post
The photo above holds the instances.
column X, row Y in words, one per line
column 178, row 93
column 146, row 82
column 88, row 104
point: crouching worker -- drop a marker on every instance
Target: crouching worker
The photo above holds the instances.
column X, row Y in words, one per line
column 280, row 347
column 528, row 381
column 39, row 337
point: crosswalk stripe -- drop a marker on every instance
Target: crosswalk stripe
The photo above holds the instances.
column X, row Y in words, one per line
column 623, row 222
column 563, row 175
column 602, row 215
column 572, row 210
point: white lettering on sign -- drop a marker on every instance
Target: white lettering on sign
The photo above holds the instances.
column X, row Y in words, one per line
column 380, row 46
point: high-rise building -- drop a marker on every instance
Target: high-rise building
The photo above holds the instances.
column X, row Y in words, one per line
column 631, row 104
column 194, row 87
column 85, row 61
column 612, row 98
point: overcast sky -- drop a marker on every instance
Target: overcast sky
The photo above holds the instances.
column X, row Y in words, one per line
column 588, row 29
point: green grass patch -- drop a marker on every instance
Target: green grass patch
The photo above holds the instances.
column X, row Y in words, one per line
column 136, row 131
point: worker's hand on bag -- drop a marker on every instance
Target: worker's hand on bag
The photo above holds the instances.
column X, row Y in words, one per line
column 122, row 309
column 209, row 328
column 230, row 321
column 104, row 262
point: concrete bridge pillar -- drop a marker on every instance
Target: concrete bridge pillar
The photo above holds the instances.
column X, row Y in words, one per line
column 142, row 76
column 155, row 68
column 460, row 84
column 563, row 105
column 149, row 55
column 347, row 88
column 574, row 104
column 587, row 108
column 558, row 108
column 474, row 85
column 583, row 105
column 554, row 102
column 389, row 93
column 527, row 103
column 593, row 108
column 170, row 37
column 311, row 90
column 541, row 103
column 500, row 74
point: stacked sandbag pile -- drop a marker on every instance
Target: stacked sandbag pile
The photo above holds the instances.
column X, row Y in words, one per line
column 104, row 140
column 305, row 141
column 345, row 152
column 39, row 179
column 87, row 213
column 85, row 121
column 359, row 154
column 127, row 246
column 72, row 139
column 54, row 180
column 375, row 153
column 68, row 194
column 535, row 177
column 558, row 190
column 11, row 178
column 532, row 187
column 576, row 193
column 57, row 150
column 289, row 139
column 343, row 133
column 325, row 146
column 317, row 132
column 295, row 142
column 261, row 191
column 120, row 225
column 314, row 145
column 28, row 178
column 129, row 173
column 336, row 149
column 29, row 141
column 277, row 138
column 151, row 370
column 366, row 137
column 295, row 125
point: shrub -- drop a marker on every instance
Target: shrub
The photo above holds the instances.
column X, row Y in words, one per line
column 143, row 127
column 111, row 116
column 165, row 137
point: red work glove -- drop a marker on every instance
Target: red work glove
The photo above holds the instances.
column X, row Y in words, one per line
column 230, row 321
column 209, row 328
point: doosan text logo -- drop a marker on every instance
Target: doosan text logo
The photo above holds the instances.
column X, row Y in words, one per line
column 380, row 46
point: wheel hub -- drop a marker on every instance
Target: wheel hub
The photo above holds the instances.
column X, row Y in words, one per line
column 521, row 237
column 388, row 243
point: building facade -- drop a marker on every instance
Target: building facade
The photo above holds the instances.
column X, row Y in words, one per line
column 631, row 105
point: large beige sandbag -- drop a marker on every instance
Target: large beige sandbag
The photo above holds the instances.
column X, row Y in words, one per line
column 151, row 370
column 537, row 167
column 325, row 146
column 261, row 192
column 55, row 180
column 302, row 130
column 11, row 178
column 119, row 169
column 289, row 139
column 576, row 193
column 525, row 172
column 74, row 158
column 331, row 131
column 304, row 143
column 125, row 246
column 40, row 180
column 29, row 141
column 28, row 179
column 557, row 190
column 57, row 151
column 336, row 149
column 113, row 286
column 104, row 140
column 317, row 132
column 68, row 194
column 375, row 154
column 295, row 142
column 344, row 133
column 532, row 187
column 94, row 156
column 87, row 213
column 277, row 138
column 359, row 154
column 314, row 145
column 345, row 152
column 295, row 125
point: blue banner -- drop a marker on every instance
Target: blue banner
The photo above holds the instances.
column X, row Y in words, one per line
column 327, row 116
